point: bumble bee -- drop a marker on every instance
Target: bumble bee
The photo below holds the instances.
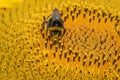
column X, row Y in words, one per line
column 55, row 27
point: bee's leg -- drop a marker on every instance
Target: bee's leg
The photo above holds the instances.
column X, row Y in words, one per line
column 43, row 24
column 48, row 34
column 64, row 31
column 47, row 31
column 42, row 27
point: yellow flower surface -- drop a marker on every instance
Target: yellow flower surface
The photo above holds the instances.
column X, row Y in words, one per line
column 8, row 3
column 89, row 50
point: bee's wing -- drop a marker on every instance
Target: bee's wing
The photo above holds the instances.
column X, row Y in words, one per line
column 56, row 14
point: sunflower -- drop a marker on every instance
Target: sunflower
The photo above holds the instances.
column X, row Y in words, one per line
column 89, row 50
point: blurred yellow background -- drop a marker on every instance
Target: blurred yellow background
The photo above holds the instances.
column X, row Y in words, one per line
column 8, row 3
column 114, row 4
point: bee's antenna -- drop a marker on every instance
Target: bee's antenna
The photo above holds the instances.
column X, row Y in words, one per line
column 48, row 16
column 43, row 23
column 44, row 17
